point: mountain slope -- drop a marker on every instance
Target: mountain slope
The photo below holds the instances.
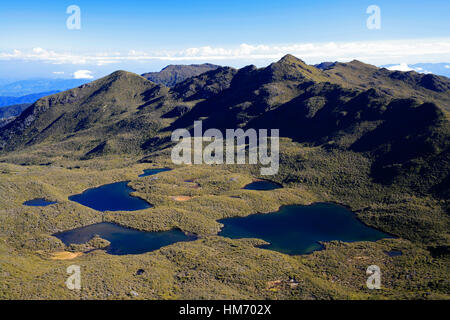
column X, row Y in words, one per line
column 424, row 87
column 400, row 136
column 173, row 74
column 97, row 111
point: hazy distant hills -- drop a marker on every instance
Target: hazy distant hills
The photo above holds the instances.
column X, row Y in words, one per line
column 29, row 98
column 398, row 120
column 9, row 113
column 13, row 110
column 173, row 74
column 442, row 69
column 33, row 86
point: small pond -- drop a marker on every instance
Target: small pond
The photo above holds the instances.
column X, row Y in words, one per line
column 150, row 172
column 394, row 253
column 111, row 197
column 124, row 240
column 39, row 202
column 262, row 185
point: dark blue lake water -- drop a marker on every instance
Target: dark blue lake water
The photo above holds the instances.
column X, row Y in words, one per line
column 297, row 229
column 394, row 253
column 150, row 172
column 40, row 202
column 262, row 185
column 111, row 197
column 124, row 240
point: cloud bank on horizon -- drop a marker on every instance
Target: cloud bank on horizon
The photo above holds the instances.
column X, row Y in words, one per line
column 377, row 52
column 401, row 52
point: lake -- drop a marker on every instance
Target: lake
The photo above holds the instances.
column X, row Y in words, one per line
column 297, row 229
column 39, row 202
column 111, row 197
column 150, row 172
column 262, row 185
column 124, row 240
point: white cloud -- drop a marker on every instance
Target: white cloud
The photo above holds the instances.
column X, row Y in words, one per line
column 376, row 52
column 402, row 67
column 105, row 62
column 58, row 72
column 83, row 74
column 447, row 66
column 40, row 51
column 136, row 53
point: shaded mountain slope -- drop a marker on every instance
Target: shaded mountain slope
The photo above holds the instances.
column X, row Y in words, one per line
column 424, row 87
column 97, row 110
column 252, row 92
column 400, row 136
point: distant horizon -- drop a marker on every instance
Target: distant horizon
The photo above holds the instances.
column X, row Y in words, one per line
column 391, row 66
column 87, row 39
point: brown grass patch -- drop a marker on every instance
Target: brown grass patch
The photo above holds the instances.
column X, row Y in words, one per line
column 65, row 255
column 181, row 198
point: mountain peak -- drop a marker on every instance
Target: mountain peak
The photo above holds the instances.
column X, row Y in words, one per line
column 357, row 63
column 292, row 68
column 172, row 67
column 289, row 58
column 93, row 105
column 122, row 74
column 173, row 73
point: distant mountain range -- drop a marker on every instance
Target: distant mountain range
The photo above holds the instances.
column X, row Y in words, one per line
column 173, row 74
column 33, row 86
column 30, row 98
column 9, row 113
column 13, row 111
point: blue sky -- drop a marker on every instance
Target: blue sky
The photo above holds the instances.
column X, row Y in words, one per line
column 146, row 35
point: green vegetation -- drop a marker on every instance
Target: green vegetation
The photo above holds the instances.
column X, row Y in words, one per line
column 383, row 154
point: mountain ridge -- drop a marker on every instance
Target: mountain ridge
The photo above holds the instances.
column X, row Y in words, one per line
column 336, row 108
column 173, row 74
